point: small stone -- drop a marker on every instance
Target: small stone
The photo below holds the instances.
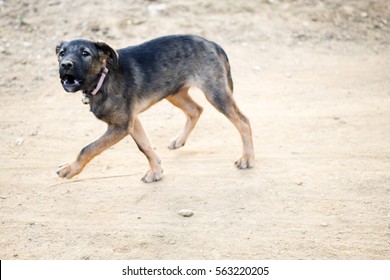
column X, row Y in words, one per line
column 324, row 224
column 155, row 9
column 186, row 213
column 95, row 28
column 19, row 141
column 34, row 133
column 27, row 44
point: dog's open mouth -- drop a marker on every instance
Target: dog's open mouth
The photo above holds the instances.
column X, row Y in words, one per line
column 70, row 83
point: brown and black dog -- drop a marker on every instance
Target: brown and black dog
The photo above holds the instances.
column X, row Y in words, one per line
column 120, row 84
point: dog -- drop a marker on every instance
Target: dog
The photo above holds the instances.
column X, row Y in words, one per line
column 120, row 84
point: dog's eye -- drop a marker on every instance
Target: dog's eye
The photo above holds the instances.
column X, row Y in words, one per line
column 85, row 53
column 62, row 53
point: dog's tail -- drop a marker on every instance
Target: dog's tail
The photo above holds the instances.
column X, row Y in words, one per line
column 224, row 57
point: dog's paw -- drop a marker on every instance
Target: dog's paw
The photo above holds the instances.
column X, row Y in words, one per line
column 68, row 170
column 176, row 143
column 244, row 163
column 152, row 176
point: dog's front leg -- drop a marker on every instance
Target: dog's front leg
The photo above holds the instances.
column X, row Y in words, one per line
column 141, row 139
column 109, row 138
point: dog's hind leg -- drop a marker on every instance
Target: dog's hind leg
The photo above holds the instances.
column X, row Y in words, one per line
column 141, row 139
column 221, row 98
column 192, row 111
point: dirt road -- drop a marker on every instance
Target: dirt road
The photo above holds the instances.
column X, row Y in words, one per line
column 314, row 81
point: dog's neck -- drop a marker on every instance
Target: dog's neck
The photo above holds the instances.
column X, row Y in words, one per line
column 100, row 83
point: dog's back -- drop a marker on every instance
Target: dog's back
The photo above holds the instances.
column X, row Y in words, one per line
column 171, row 62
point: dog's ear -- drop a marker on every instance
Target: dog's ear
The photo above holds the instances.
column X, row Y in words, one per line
column 58, row 47
column 106, row 53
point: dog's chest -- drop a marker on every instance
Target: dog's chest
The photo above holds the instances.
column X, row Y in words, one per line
column 109, row 110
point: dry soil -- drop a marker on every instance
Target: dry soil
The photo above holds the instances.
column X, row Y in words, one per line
column 312, row 76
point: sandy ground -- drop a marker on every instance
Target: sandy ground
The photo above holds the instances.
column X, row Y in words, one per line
column 314, row 81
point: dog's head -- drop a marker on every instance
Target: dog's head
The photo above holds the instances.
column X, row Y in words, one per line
column 81, row 62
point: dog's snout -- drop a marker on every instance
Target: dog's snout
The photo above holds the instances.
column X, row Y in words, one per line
column 67, row 64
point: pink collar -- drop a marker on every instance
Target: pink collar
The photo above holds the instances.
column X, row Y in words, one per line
column 101, row 80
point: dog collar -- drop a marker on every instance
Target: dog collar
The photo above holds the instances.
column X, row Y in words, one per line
column 100, row 83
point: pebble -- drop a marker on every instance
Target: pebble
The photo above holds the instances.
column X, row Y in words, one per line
column 19, row 141
column 186, row 213
column 34, row 133
column 155, row 9
column 324, row 224
column 27, row 44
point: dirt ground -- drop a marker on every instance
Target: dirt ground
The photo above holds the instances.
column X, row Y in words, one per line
column 312, row 76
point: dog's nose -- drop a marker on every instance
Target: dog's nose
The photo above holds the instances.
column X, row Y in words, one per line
column 67, row 64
